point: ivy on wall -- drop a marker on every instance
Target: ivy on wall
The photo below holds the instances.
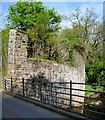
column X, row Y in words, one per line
column 5, row 38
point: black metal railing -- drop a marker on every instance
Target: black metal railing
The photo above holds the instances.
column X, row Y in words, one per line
column 62, row 95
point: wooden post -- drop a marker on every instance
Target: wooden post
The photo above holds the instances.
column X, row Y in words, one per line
column 70, row 94
column 23, row 85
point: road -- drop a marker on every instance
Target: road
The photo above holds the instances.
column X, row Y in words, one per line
column 15, row 108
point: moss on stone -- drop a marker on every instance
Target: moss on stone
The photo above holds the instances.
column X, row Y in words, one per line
column 5, row 38
column 21, row 31
column 41, row 59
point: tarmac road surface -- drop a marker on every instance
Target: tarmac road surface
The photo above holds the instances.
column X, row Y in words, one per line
column 15, row 108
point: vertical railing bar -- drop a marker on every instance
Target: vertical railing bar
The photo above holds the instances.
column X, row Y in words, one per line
column 11, row 84
column 40, row 90
column 56, row 98
column 23, row 85
column 51, row 94
column 5, row 85
column 70, row 93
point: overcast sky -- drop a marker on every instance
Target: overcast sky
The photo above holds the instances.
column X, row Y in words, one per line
column 64, row 8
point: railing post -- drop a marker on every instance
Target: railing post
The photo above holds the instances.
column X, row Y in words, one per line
column 11, row 85
column 23, row 85
column 70, row 93
column 40, row 90
column 51, row 94
column 5, row 84
column 56, row 97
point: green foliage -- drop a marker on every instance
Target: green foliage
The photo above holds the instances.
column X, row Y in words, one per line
column 40, row 22
column 69, row 43
column 0, row 52
column 71, row 38
column 96, row 73
column 23, row 15
column 42, row 36
column 26, row 15
column 88, row 32
column 95, row 67
column 89, row 87
column 5, row 38
column 0, row 47
column 45, row 42
column 40, row 59
column 93, row 88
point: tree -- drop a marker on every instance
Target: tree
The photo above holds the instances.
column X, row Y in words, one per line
column 24, row 15
column 95, row 68
column 43, row 31
column 83, row 23
column 69, row 43
column 87, row 27
column 40, row 22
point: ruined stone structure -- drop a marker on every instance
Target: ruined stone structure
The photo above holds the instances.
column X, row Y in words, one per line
column 20, row 66
column 17, row 53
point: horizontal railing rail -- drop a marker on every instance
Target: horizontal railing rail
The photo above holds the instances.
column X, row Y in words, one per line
column 63, row 95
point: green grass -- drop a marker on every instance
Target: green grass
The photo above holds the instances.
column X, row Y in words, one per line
column 89, row 87
column 93, row 88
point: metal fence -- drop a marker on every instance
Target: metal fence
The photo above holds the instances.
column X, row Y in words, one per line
column 60, row 95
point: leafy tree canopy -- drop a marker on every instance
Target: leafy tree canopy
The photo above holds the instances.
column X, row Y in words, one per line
column 40, row 22
column 25, row 15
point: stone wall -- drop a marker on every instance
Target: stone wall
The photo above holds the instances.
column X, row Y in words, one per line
column 55, row 72
column 17, row 53
column 20, row 66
